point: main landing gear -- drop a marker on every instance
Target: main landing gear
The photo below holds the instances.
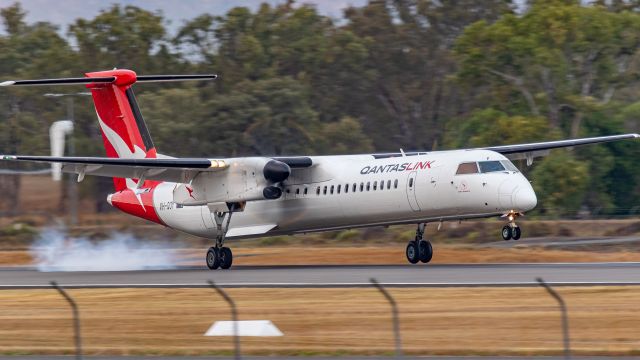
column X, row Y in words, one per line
column 419, row 249
column 511, row 230
column 219, row 256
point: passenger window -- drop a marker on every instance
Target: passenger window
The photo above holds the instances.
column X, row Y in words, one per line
column 331, row 189
column 305, row 191
column 375, row 185
column 318, row 191
column 388, row 184
column 298, row 191
column 361, row 187
column 467, row 168
column 382, row 185
column 346, row 188
column 490, row 166
column 324, row 191
column 339, row 186
column 395, row 184
column 368, row 185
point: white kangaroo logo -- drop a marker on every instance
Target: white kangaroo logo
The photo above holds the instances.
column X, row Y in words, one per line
column 123, row 151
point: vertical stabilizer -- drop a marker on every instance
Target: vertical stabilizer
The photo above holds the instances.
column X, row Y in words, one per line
column 124, row 131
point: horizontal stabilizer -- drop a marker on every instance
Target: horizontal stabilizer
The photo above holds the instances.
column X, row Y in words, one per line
column 65, row 81
column 106, row 79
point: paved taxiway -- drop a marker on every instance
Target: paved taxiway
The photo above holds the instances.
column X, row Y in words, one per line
column 338, row 276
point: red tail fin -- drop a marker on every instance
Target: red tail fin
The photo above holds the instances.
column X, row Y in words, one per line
column 124, row 131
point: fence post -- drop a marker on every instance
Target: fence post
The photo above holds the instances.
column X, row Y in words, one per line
column 565, row 317
column 394, row 312
column 76, row 319
column 234, row 317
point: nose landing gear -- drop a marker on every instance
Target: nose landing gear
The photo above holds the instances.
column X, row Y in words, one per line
column 511, row 230
column 419, row 249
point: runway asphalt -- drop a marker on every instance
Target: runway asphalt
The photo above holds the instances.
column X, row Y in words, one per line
column 450, row 275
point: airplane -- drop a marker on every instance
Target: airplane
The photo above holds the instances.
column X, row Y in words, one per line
column 224, row 198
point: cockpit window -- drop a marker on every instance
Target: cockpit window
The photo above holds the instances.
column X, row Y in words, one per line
column 509, row 166
column 467, row 168
column 490, row 166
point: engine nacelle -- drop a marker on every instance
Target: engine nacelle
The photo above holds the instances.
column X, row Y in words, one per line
column 245, row 179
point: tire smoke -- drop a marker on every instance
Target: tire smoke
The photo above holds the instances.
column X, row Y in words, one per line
column 55, row 250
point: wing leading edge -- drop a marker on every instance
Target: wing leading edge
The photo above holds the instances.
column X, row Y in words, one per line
column 533, row 150
column 175, row 170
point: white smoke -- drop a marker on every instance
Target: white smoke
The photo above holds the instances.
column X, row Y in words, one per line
column 55, row 250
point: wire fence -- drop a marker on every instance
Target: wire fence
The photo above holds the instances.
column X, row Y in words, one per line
column 395, row 328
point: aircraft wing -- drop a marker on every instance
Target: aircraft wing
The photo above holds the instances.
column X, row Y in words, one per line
column 165, row 169
column 532, row 150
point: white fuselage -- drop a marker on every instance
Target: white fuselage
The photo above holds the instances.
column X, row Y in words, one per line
column 340, row 192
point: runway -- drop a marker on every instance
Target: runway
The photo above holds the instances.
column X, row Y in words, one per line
column 450, row 275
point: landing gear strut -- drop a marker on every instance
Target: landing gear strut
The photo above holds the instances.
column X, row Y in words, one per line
column 419, row 249
column 220, row 256
column 511, row 230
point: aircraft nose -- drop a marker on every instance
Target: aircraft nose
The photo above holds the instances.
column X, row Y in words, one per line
column 525, row 198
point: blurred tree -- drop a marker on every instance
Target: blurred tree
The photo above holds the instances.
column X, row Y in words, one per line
column 559, row 56
column 487, row 127
column 409, row 43
column 343, row 137
column 127, row 37
column 265, row 117
column 560, row 182
column 28, row 51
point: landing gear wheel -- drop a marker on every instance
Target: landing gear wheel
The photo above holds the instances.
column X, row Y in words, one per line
column 226, row 257
column 412, row 252
column 506, row 232
column 425, row 250
column 213, row 259
column 515, row 232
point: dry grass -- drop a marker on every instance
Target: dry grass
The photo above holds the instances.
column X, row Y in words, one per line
column 372, row 255
column 331, row 321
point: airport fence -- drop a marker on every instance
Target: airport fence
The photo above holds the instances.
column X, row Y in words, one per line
column 395, row 317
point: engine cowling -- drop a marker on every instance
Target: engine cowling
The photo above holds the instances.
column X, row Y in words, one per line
column 276, row 171
column 245, row 179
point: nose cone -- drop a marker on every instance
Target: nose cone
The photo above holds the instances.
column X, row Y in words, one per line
column 525, row 198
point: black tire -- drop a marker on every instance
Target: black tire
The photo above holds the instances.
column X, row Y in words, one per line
column 212, row 259
column 226, row 257
column 506, row 232
column 426, row 251
column 412, row 252
column 516, row 232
